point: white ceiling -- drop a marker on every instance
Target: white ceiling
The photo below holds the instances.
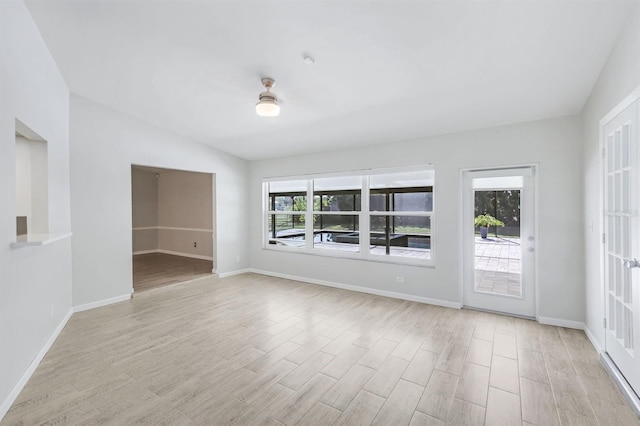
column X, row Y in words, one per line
column 384, row 71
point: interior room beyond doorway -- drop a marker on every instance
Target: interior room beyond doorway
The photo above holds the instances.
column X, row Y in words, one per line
column 172, row 226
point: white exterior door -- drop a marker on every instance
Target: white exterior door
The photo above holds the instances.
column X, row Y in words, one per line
column 621, row 243
column 499, row 268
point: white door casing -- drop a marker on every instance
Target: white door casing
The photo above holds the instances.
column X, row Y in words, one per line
column 622, row 241
column 474, row 297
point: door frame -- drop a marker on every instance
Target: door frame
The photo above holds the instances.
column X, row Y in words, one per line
column 628, row 392
column 461, row 222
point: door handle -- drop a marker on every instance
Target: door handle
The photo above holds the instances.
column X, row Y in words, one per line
column 630, row 263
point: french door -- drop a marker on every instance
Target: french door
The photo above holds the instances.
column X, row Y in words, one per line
column 499, row 265
column 621, row 242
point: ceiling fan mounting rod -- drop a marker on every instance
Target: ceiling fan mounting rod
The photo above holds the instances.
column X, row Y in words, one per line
column 268, row 82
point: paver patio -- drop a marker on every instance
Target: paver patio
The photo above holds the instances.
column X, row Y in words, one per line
column 498, row 265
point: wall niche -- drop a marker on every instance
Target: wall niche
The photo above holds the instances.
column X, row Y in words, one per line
column 32, row 183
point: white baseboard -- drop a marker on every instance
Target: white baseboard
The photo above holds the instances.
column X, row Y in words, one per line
column 593, row 340
column 612, row 369
column 561, row 323
column 625, row 388
column 135, row 253
column 232, row 273
column 4, row 407
column 193, row 256
column 175, row 253
column 100, row 303
column 392, row 294
column 36, row 361
column 170, row 228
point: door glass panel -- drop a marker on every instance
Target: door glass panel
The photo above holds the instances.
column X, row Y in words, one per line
column 610, row 152
column 616, row 150
column 624, row 191
column 619, row 236
column 619, row 217
column 620, row 276
column 618, row 319
column 626, row 285
column 626, row 146
column 612, row 273
column 611, row 236
column 628, row 328
column 612, row 312
column 498, row 255
column 626, row 242
column 611, row 194
column 618, row 192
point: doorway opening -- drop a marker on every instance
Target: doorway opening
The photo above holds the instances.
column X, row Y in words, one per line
column 172, row 226
column 499, row 240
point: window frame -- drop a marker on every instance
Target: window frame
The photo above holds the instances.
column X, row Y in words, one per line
column 364, row 215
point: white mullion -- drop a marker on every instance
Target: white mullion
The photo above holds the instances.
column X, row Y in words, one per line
column 286, row 212
column 399, row 213
column 364, row 219
column 308, row 217
column 338, row 213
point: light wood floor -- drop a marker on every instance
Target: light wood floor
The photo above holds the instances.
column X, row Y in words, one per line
column 256, row 350
column 158, row 269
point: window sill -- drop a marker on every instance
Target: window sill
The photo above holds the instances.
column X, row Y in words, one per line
column 427, row 263
column 39, row 239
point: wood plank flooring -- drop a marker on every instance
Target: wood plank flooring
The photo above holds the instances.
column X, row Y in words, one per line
column 159, row 269
column 256, row 350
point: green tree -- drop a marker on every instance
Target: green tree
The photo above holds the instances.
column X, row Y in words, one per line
column 502, row 205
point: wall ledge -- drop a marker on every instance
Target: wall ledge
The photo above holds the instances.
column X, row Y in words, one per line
column 39, row 239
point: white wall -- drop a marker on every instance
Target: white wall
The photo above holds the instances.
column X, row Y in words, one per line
column 35, row 282
column 554, row 144
column 144, row 199
column 185, row 201
column 619, row 77
column 104, row 145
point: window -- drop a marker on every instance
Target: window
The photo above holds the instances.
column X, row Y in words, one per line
column 377, row 216
column 336, row 203
column 401, row 205
column 287, row 205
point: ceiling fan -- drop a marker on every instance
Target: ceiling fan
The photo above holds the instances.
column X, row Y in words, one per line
column 267, row 105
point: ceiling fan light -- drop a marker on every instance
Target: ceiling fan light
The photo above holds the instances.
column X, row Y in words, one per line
column 267, row 108
column 267, row 105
